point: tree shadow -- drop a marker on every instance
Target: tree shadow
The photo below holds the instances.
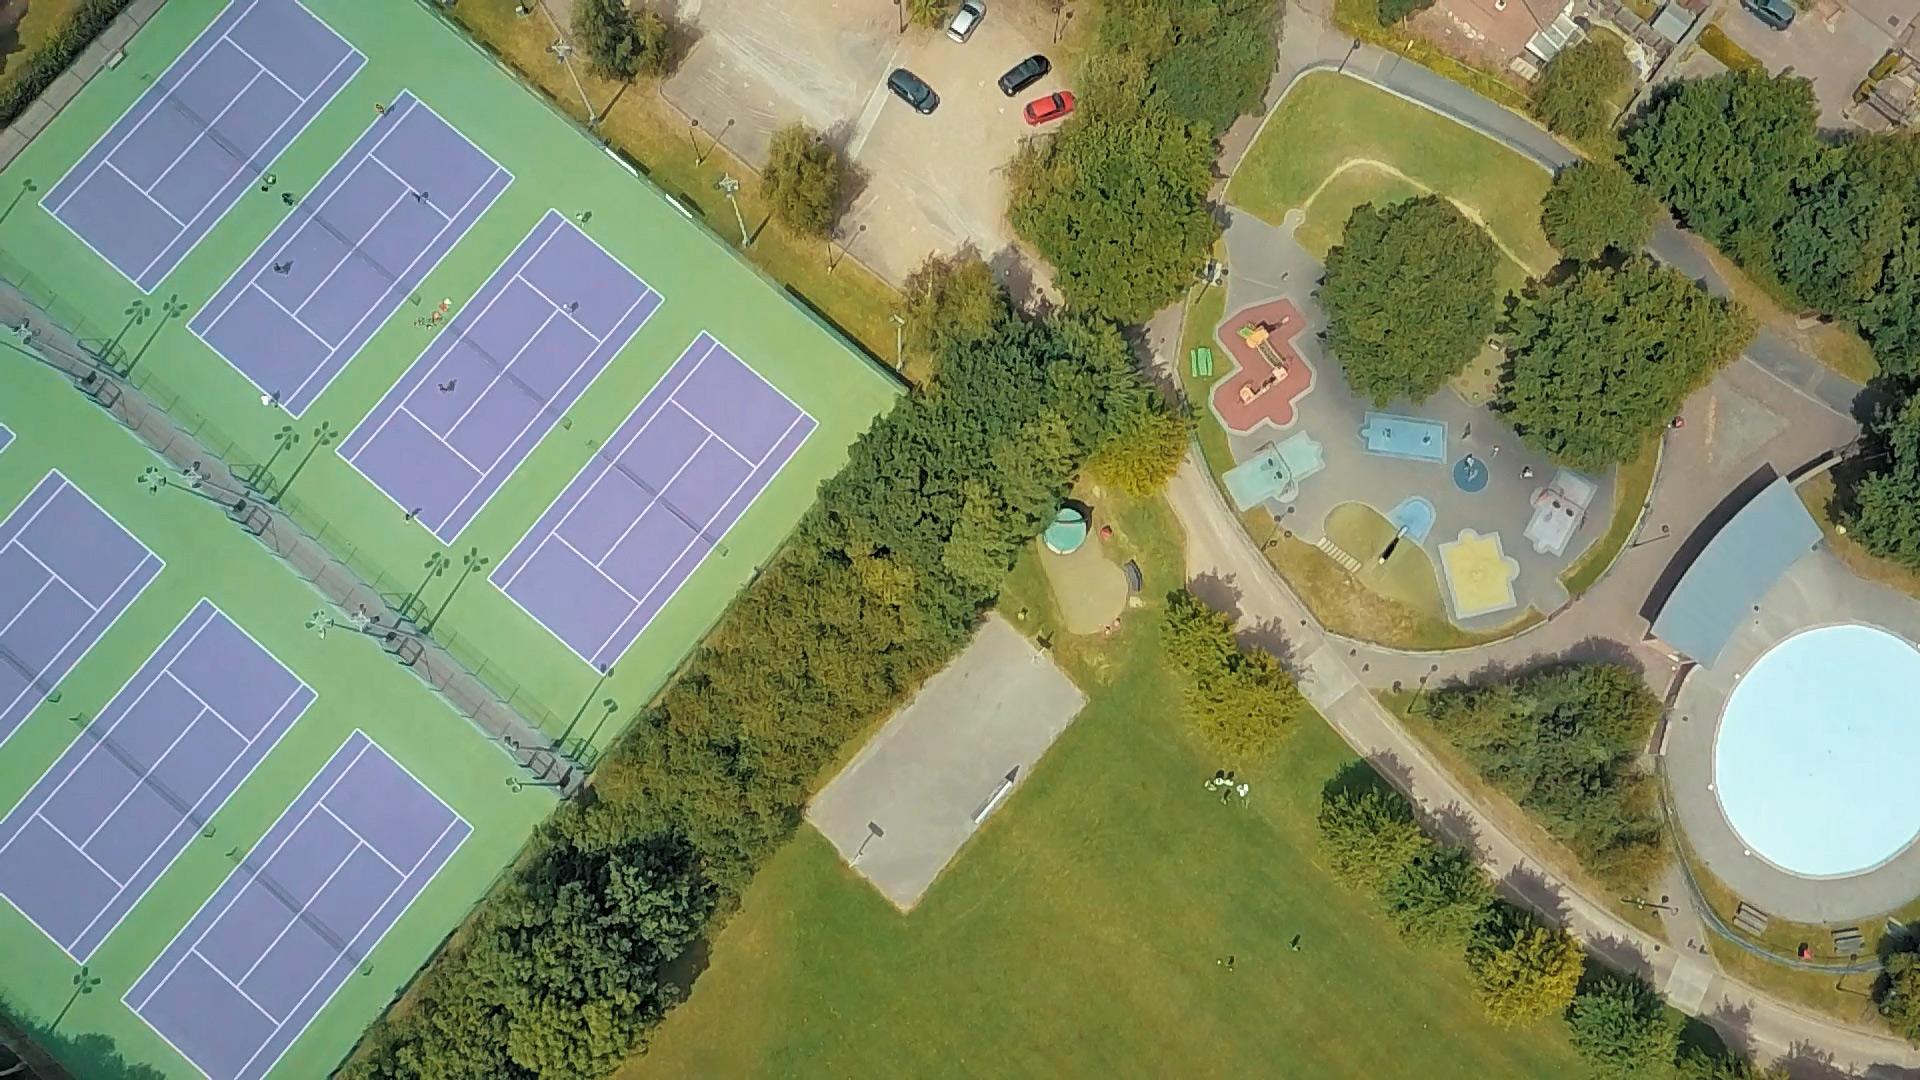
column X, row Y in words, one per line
column 1532, row 890
column 1617, row 955
column 1217, row 592
column 1358, row 777
column 1270, row 636
column 88, row 1054
column 1015, row 274
column 1732, row 1029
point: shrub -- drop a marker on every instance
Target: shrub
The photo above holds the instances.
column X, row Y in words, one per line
column 1594, row 206
column 1620, row 1028
column 1368, row 836
column 1410, row 297
column 1240, row 702
column 1577, row 89
column 1438, row 897
column 1393, row 11
column 1899, row 996
column 801, row 182
column 1523, row 971
column 32, row 74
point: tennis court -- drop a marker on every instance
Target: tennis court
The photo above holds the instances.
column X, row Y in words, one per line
column 299, row 914
column 125, row 799
column 67, row 571
column 482, row 396
column 6, row 436
column 653, row 501
column 307, row 300
column 177, row 161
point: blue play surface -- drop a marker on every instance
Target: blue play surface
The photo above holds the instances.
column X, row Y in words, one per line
column 165, row 174
column 6, row 436
column 1802, row 731
column 67, row 571
column 1414, row 516
column 1410, row 437
column 101, row 826
column 299, row 915
column 495, row 382
column 653, row 501
column 350, row 253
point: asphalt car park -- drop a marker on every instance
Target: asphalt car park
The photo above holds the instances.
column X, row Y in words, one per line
column 926, row 183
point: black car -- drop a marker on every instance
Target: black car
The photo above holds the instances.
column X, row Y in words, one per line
column 909, row 88
column 1024, row 74
column 1775, row 13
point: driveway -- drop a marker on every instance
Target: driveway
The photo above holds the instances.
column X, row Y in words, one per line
column 926, row 183
column 1834, row 50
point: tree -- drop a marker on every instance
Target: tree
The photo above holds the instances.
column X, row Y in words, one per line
column 1205, row 61
column 1368, row 836
column 1240, row 702
column 1563, row 743
column 1144, row 455
column 1410, row 297
column 1523, row 971
column 1594, row 206
column 949, row 299
column 931, row 14
column 1899, row 997
column 1119, row 207
column 1885, row 512
column 1620, row 1028
column 801, row 182
column 1726, row 1065
column 1577, row 89
column 1438, row 897
column 620, row 43
column 1600, row 362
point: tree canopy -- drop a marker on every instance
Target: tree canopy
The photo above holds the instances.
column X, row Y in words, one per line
column 1620, row 1028
column 1601, row 361
column 1899, row 993
column 1368, row 835
column 1201, row 61
column 1142, row 459
column 1410, row 296
column 1119, row 208
column 1577, row 89
column 948, row 299
column 1739, row 159
column 1241, row 701
column 1596, row 205
column 1522, row 970
column 1885, row 511
column 1439, row 896
column 1563, row 743
column 801, row 182
column 620, row 43
column 1393, row 11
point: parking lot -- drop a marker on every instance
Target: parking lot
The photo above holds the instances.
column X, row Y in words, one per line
column 1833, row 44
column 926, row 183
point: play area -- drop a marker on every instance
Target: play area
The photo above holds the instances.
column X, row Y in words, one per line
column 1090, row 589
column 1268, row 376
column 938, row 770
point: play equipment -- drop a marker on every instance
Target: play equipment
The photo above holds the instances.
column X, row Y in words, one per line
column 1275, row 472
column 1558, row 511
column 1068, row 531
column 1200, row 362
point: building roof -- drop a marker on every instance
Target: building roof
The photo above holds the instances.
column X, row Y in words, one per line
column 1736, row 568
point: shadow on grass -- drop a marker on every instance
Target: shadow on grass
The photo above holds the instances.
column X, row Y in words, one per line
column 87, row 1055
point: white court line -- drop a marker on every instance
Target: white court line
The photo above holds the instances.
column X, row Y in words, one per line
column 211, row 966
column 598, row 339
column 144, row 195
column 244, row 737
column 140, row 781
column 429, row 430
column 491, row 383
column 198, row 137
column 308, row 902
column 31, row 600
column 297, row 321
column 364, row 842
column 118, row 885
column 404, row 182
column 355, row 247
column 227, row 36
column 54, row 575
column 562, row 541
column 653, row 499
column 716, row 435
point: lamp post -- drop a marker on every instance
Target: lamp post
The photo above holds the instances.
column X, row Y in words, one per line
column 899, row 341
column 1665, row 531
column 730, row 187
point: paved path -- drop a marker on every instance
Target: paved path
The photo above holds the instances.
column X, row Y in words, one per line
column 1772, row 411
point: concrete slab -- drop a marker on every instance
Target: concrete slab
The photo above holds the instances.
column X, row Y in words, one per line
column 902, row 809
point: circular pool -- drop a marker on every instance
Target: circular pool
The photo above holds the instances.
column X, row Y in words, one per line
column 1808, row 757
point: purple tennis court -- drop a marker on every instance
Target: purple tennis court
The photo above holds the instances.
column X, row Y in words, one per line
column 6, row 436
column 484, row 394
column 67, row 571
column 125, row 799
column 260, row 960
column 166, row 173
column 388, row 211
column 642, row 515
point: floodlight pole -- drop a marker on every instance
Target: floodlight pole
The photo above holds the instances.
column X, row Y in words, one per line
column 899, row 341
column 731, row 187
column 564, row 51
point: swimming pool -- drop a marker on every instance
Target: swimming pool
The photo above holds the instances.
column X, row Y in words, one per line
column 1800, row 756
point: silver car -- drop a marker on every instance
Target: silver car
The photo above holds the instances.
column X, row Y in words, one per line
column 966, row 20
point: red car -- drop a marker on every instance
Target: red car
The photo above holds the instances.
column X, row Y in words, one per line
column 1051, row 107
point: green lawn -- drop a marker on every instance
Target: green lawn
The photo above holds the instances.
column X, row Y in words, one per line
column 357, row 686
column 1327, row 120
column 1408, row 576
column 1079, row 934
column 1329, row 209
column 706, row 287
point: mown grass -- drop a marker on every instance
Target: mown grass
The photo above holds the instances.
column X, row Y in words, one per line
column 1080, row 933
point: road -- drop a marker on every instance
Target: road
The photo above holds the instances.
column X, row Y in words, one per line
column 1227, row 570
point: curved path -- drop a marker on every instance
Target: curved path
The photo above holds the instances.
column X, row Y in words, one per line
column 1773, row 411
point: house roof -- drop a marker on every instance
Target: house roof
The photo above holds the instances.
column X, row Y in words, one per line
column 1736, row 568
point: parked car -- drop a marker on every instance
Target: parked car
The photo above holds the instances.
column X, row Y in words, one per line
column 911, row 89
column 1024, row 74
column 966, row 20
column 1052, row 107
column 1775, row 13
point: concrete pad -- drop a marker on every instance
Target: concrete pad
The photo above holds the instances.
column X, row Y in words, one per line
column 902, row 808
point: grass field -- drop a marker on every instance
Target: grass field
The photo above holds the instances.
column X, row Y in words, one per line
column 1327, row 120
column 705, row 284
column 1408, row 576
column 357, row 684
column 1079, row 933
